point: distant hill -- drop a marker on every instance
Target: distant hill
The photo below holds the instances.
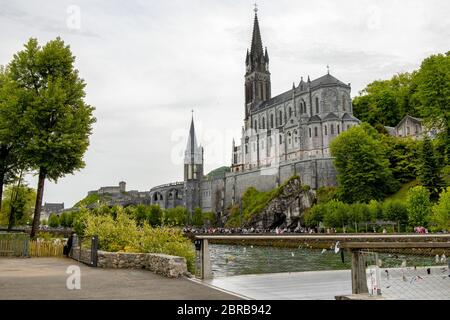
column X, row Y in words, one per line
column 219, row 172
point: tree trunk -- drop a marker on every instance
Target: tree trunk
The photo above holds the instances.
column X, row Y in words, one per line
column 12, row 203
column 38, row 206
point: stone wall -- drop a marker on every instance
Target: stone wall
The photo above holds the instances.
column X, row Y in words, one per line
column 168, row 266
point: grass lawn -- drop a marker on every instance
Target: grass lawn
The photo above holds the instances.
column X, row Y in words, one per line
column 402, row 193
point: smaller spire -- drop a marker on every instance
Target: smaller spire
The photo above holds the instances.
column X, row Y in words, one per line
column 256, row 8
column 293, row 85
column 309, row 80
column 328, row 69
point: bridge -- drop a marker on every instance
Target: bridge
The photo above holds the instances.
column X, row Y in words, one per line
column 364, row 250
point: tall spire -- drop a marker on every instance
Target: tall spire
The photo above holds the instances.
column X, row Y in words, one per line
column 257, row 48
column 193, row 153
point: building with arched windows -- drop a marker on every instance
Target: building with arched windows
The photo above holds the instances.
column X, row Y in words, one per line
column 305, row 118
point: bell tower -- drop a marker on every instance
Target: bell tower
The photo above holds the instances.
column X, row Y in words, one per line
column 257, row 76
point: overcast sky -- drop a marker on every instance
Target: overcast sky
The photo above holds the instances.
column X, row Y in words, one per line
column 147, row 64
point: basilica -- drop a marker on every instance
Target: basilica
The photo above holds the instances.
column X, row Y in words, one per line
column 294, row 125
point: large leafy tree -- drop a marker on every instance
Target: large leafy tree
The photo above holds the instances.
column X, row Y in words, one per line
column 433, row 93
column 57, row 119
column 418, row 206
column 362, row 166
column 429, row 169
column 11, row 130
column 403, row 155
column 386, row 102
column 18, row 205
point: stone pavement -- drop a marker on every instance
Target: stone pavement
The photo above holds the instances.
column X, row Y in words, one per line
column 45, row 278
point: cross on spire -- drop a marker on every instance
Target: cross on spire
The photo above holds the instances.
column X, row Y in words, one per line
column 256, row 8
column 328, row 69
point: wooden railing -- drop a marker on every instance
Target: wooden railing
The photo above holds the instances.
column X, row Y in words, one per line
column 46, row 249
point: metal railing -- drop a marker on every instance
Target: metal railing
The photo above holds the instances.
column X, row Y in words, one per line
column 85, row 250
column 407, row 258
column 411, row 270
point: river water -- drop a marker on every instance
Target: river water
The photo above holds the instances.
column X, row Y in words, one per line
column 231, row 260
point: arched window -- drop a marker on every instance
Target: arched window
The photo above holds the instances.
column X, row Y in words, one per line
column 271, row 121
column 310, row 132
column 338, row 130
column 290, row 112
column 343, row 103
column 263, row 123
column 256, row 125
column 246, row 148
column 281, row 117
column 281, row 139
column 316, row 132
column 317, row 105
column 332, row 129
column 326, row 130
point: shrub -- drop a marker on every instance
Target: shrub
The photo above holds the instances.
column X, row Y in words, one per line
column 440, row 219
column 175, row 216
column 53, row 221
column 396, row 211
column 122, row 234
column 418, row 206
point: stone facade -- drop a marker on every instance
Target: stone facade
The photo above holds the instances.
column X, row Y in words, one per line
column 282, row 136
column 168, row 266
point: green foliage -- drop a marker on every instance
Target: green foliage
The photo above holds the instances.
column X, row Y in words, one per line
column 336, row 214
column 57, row 122
column 314, row 216
column 66, row 219
column 403, row 156
column 433, row 93
column 429, row 169
column 386, row 102
column 20, row 200
column 197, row 218
column 440, row 219
column 89, row 200
column 122, row 234
column 418, row 205
column 175, row 216
column 53, row 221
column 375, row 210
column 402, row 193
column 362, row 166
column 325, row 194
column 395, row 211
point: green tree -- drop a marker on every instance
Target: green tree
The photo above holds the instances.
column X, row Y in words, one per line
column 386, row 102
column 403, row 156
column 197, row 218
column 375, row 210
column 418, row 205
column 395, row 211
column 17, row 206
column 53, row 221
column 433, row 93
column 336, row 214
column 440, row 219
column 175, row 216
column 362, row 166
column 429, row 169
column 66, row 219
column 156, row 215
column 11, row 130
column 315, row 215
column 58, row 121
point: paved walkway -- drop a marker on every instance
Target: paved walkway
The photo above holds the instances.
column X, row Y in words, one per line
column 45, row 278
column 316, row 285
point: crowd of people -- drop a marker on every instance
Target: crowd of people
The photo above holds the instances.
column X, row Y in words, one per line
column 249, row 230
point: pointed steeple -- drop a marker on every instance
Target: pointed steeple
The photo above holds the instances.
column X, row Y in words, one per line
column 257, row 48
column 266, row 55
column 193, row 153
